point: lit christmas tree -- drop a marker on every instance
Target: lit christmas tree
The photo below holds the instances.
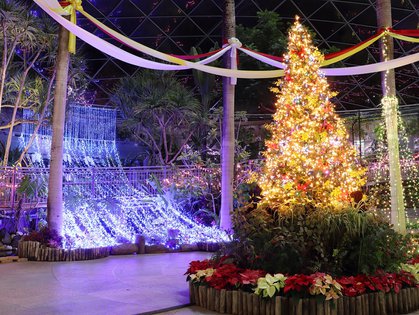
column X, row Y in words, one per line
column 310, row 165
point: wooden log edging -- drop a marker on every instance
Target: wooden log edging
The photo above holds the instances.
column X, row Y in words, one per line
column 35, row 252
column 244, row 303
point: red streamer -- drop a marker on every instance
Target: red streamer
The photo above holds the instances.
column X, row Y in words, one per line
column 413, row 33
column 341, row 52
column 199, row 56
column 64, row 3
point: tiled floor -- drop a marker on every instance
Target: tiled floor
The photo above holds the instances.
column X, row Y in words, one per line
column 114, row 285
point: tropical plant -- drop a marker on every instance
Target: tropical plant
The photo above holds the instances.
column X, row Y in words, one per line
column 209, row 91
column 28, row 39
column 18, row 28
column 159, row 112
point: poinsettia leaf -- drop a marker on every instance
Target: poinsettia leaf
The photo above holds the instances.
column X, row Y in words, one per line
column 270, row 279
column 262, row 284
column 271, row 291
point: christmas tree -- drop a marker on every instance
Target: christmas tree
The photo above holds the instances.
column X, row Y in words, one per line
column 310, row 165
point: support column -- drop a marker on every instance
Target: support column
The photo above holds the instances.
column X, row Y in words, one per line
column 227, row 142
column 390, row 113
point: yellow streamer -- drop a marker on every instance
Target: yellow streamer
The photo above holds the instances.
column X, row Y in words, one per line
column 136, row 45
column 75, row 5
column 405, row 38
column 353, row 51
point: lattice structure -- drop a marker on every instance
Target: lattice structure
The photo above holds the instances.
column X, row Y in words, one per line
column 174, row 26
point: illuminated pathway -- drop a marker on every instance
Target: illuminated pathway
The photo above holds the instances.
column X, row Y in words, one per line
column 115, row 285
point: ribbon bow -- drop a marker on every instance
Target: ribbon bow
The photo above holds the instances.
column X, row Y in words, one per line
column 71, row 7
column 234, row 43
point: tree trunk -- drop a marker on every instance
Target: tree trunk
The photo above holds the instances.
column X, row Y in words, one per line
column 39, row 123
column 390, row 109
column 3, row 65
column 12, row 124
column 227, row 145
column 55, row 183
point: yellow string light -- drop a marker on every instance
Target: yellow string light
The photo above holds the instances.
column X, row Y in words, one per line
column 309, row 161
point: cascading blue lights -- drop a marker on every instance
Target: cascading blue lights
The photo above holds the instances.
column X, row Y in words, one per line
column 101, row 207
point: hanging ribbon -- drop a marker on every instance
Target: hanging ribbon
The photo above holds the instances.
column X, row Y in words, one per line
column 71, row 7
column 405, row 38
column 345, row 53
column 199, row 56
column 122, row 55
column 406, row 32
column 235, row 44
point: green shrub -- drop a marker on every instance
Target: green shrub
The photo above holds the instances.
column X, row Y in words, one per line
column 347, row 242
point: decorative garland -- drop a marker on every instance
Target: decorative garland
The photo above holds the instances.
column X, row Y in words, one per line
column 53, row 8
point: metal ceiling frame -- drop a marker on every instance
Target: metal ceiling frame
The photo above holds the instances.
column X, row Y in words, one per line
column 358, row 95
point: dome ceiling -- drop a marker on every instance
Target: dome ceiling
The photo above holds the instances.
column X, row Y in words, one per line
column 174, row 26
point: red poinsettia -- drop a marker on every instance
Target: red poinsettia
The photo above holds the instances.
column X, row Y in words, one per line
column 226, row 276
column 298, row 283
column 249, row 276
column 406, row 279
column 196, row 265
column 381, row 281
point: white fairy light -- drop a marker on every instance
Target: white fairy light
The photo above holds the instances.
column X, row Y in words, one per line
column 101, row 206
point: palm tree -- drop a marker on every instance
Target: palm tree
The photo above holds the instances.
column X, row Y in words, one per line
column 31, row 41
column 13, row 33
column 44, row 98
column 390, row 108
column 209, row 90
column 227, row 148
column 159, row 112
column 55, row 181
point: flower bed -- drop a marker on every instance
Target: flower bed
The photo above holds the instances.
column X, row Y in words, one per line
column 245, row 303
column 35, row 251
column 225, row 288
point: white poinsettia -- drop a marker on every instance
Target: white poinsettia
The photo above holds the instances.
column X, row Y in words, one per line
column 201, row 274
column 270, row 284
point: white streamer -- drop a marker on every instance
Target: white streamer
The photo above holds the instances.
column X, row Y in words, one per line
column 122, row 55
column 356, row 70
column 264, row 59
column 375, row 67
column 50, row 7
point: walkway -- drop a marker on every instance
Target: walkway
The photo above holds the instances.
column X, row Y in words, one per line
column 116, row 285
